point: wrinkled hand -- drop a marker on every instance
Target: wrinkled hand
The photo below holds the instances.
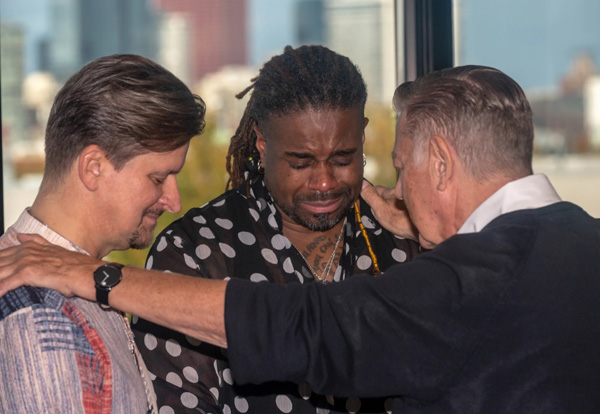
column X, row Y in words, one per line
column 36, row 262
column 389, row 211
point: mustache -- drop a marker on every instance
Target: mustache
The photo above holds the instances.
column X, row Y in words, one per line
column 318, row 196
column 154, row 211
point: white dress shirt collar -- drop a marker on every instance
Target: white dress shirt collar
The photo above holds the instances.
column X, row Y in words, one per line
column 27, row 223
column 533, row 191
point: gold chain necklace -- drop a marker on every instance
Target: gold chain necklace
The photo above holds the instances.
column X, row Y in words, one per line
column 329, row 265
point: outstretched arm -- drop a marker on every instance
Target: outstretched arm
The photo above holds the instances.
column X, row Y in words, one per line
column 167, row 299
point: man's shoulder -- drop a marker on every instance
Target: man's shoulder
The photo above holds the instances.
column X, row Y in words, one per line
column 213, row 222
column 513, row 234
column 223, row 206
column 558, row 214
column 367, row 217
column 504, row 239
column 370, row 222
column 25, row 297
column 9, row 238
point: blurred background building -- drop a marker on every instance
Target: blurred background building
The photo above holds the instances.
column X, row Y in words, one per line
column 551, row 47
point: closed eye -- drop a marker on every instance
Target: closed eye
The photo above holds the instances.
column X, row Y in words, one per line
column 342, row 161
column 158, row 180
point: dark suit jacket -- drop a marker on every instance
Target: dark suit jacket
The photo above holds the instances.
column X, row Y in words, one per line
column 506, row 320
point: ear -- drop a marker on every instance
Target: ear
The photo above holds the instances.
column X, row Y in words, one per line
column 366, row 122
column 261, row 143
column 90, row 166
column 441, row 161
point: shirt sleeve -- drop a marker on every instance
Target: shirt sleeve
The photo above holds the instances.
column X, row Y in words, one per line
column 407, row 332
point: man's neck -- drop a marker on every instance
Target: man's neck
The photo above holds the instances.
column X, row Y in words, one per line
column 61, row 214
column 307, row 241
column 320, row 249
column 468, row 195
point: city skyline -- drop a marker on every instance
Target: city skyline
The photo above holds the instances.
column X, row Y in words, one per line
column 534, row 41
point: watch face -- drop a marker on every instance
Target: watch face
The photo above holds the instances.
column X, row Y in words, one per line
column 107, row 276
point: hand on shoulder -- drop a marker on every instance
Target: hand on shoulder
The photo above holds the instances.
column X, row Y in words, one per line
column 36, row 262
column 389, row 211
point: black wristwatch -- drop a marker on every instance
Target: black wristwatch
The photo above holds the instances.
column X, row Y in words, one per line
column 106, row 277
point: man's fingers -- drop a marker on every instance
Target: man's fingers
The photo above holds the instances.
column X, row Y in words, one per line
column 388, row 194
column 372, row 195
column 31, row 261
column 7, row 254
column 388, row 210
column 25, row 237
column 11, row 269
column 382, row 206
column 8, row 284
column 31, row 246
column 381, row 199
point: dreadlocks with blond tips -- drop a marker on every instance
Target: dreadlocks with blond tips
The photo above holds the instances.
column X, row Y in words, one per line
column 309, row 76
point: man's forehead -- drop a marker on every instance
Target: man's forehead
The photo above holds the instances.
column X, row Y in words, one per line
column 170, row 160
column 311, row 112
column 401, row 141
column 312, row 127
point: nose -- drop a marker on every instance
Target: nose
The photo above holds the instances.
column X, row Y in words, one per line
column 322, row 177
column 170, row 197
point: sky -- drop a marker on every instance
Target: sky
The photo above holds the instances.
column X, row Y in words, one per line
column 534, row 41
column 269, row 34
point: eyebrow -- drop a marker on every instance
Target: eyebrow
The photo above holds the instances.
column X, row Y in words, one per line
column 166, row 172
column 304, row 155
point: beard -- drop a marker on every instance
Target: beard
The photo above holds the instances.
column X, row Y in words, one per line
column 142, row 236
column 317, row 222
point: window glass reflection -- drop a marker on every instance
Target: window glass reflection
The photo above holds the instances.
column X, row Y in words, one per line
column 214, row 46
column 552, row 48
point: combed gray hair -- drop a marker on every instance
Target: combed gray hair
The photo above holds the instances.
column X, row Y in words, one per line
column 480, row 110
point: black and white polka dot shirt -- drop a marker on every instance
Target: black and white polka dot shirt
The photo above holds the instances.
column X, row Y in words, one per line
column 239, row 234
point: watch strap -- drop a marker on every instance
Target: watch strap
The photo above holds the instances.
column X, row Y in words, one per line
column 102, row 295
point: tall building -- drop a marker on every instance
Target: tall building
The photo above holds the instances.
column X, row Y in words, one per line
column 310, row 29
column 12, row 69
column 83, row 30
column 271, row 27
column 174, row 45
column 363, row 30
column 592, row 111
column 217, row 36
column 33, row 19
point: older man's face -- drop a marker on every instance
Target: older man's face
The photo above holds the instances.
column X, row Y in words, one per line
column 416, row 186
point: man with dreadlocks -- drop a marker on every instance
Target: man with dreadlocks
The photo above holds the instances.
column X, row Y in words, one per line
column 293, row 216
